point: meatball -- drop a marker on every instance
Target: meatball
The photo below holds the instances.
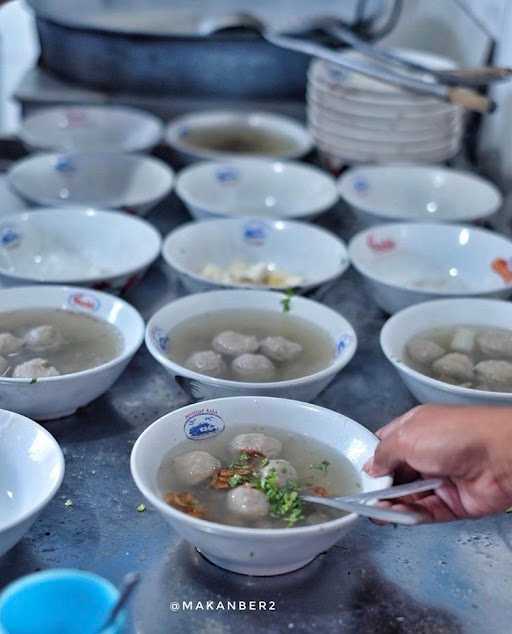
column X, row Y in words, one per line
column 281, row 349
column 234, row 343
column 3, row 365
column 495, row 343
column 35, row 369
column 424, row 351
column 247, row 502
column 43, row 338
column 285, row 472
column 454, row 367
column 207, row 362
column 463, row 340
column 266, row 445
column 195, row 467
column 494, row 375
column 9, row 344
column 253, row 367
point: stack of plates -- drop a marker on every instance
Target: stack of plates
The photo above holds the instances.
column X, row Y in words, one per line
column 355, row 119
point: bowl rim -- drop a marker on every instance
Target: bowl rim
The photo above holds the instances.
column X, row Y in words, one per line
column 112, row 109
column 103, row 157
column 56, row 485
column 216, row 528
column 143, row 225
column 346, row 192
column 189, row 198
column 300, row 134
column 336, row 365
column 195, row 226
column 125, row 355
column 417, row 226
column 442, row 386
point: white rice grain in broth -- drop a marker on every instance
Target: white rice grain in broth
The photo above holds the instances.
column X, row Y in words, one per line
column 196, row 334
column 87, row 341
column 338, row 476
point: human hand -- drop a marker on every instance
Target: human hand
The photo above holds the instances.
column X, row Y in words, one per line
column 471, row 447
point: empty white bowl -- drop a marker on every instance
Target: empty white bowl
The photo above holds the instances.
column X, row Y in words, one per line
column 91, row 129
column 253, row 551
column 400, row 328
column 59, row 396
column 404, row 264
column 10, row 203
column 31, row 472
column 294, row 248
column 256, row 188
column 213, row 134
column 132, row 183
column 200, row 386
column 380, row 193
column 102, row 249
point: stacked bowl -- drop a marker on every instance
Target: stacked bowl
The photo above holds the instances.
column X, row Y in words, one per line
column 355, row 119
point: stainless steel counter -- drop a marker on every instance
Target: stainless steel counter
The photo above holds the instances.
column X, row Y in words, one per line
column 453, row 578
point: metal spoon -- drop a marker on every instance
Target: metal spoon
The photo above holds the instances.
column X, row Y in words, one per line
column 129, row 584
column 357, row 503
column 455, row 95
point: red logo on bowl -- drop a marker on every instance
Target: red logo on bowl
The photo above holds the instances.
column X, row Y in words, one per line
column 84, row 301
column 385, row 245
column 502, row 268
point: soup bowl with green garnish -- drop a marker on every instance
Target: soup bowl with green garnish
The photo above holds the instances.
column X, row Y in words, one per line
column 228, row 474
column 249, row 342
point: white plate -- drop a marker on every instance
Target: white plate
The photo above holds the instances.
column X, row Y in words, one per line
column 133, row 183
column 103, row 249
column 91, row 129
column 414, row 320
column 296, row 136
column 408, row 263
column 256, row 188
column 310, row 252
column 31, row 472
column 418, row 193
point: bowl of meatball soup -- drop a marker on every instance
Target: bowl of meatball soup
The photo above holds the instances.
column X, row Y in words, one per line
column 246, row 342
column 453, row 351
column 61, row 347
column 228, row 476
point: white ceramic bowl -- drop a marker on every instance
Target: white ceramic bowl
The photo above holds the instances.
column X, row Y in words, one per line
column 31, row 472
column 59, row 396
column 101, row 249
column 400, row 328
column 296, row 248
column 294, row 137
column 381, row 193
column 91, row 129
column 404, row 264
column 200, row 386
column 247, row 550
column 10, row 203
column 130, row 182
column 256, row 188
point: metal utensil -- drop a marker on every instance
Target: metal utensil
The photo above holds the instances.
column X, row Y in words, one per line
column 456, row 95
column 357, row 503
column 468, row 77
column 129, row 584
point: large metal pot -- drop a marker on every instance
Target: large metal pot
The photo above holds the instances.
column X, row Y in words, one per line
column 149, row 47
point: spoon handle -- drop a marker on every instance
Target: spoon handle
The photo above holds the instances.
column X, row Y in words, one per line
column 419, row 486
column 375, row 512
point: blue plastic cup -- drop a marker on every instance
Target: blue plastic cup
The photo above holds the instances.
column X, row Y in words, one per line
column 59, row 602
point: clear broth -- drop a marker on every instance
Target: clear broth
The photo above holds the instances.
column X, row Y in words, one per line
column 240, row 140
column 340, row 478
column 197, row 333
column 87, row 341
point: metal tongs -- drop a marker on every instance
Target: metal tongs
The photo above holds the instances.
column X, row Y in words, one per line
column 452, row 88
